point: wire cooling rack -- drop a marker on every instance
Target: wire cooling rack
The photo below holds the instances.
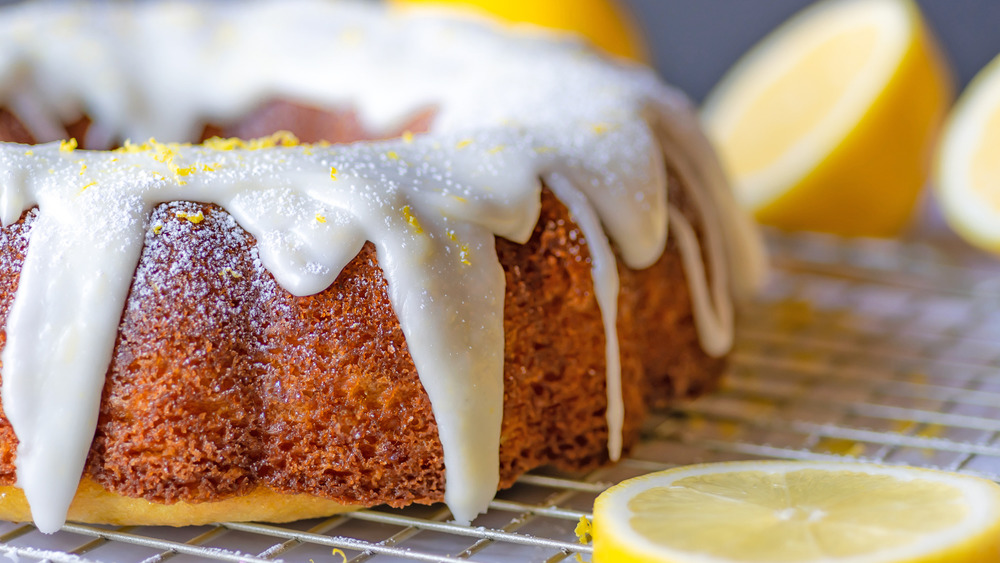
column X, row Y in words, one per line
column 882, row 351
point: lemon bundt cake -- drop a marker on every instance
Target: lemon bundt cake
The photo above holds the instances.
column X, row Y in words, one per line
column 464, row 272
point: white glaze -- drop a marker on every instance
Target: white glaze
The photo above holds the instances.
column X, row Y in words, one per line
column 604, row 270
column 594, row 130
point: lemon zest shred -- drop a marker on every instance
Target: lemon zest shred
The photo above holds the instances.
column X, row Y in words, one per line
column 584, row 533
column 333, row 172
column 584, row 530
column 286, row 139
column 129, row 147
column 463, row 143
column 186, row 171
column 391, row 155
column 412, row 219
column 162, row 152
column 320, row 218
column 193, row 217
column 407, row 137
column 227, row 271
column 277, row 139
column 222, row 144
column 69, row 145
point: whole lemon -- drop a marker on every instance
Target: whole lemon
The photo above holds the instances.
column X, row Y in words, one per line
column 606, row 23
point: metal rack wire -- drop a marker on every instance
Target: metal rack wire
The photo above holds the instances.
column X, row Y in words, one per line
column 882, row 351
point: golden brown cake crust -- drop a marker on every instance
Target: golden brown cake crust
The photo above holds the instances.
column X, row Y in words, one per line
column 94, row 503
column 223, row 385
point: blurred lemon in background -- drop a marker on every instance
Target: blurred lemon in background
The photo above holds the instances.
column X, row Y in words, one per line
column 968, row 166
column 798, row 512
column 606, row 23
column 829, row 123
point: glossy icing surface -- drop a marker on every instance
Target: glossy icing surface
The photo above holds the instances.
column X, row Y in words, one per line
column 511, row 112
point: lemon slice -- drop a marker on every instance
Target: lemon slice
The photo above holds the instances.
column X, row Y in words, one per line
column 606, row 23
column 794, row 512
column 968, row 171
column 828, row 124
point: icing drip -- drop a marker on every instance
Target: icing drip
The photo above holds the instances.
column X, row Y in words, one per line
column 712, row 309
column 432, row 204
column 604, row 269
column 680, row 136
column 56, row 350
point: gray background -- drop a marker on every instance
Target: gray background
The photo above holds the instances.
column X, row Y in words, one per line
column 693, row 42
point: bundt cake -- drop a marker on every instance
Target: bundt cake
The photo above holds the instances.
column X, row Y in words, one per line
column 407, row 295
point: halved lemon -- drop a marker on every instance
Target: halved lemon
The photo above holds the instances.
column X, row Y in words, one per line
column 606, row 23
column 796, row 512
column 828, row 123
column 968, row 167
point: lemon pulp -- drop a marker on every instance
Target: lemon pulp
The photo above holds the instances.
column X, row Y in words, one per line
column 828, row 124
column 813, row 519
column 985, row 163
column 802, row 98
column 798, row 512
